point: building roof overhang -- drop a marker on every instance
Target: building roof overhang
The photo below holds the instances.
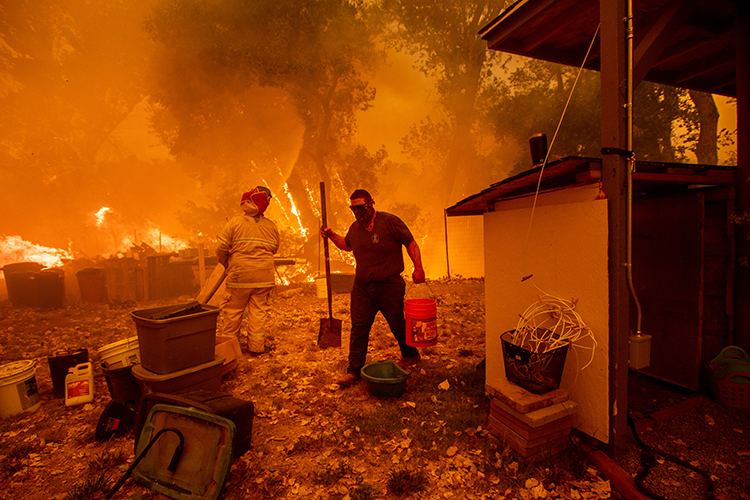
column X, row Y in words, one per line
column 682, row 43
column 648, row 178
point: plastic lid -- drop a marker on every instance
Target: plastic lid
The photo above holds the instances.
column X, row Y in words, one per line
column 16, row 368
column 63, row 354
column 141, row 374
column 52, row 270
column 202, row 469
column 130, row 342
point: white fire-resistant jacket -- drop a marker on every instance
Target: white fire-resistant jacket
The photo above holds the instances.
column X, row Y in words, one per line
column 246, row 248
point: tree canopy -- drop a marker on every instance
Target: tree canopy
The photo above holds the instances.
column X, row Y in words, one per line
column 534, row 94
column 443, row 38
column 264, row 77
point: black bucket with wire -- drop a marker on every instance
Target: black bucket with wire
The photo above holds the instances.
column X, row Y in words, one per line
column 537, row 372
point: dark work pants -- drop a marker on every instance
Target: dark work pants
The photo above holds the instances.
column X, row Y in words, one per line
column 366, row 300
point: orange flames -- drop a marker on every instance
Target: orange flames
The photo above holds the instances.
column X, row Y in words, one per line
column 100, row 215
column 113, row 238
column 154, row 237
column 15, row 249
column 116, row 237
column 294, row 218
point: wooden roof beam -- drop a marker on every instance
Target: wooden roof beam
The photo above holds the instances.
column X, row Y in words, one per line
column 716, row 63
column 558, row 21
column 545, row 33
column 671, row 19
column 724, row 85
column 713, row 23
column 517, row 16
column 683, row 49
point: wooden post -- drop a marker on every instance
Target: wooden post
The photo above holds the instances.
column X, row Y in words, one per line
column 612, row 14
column 742, row 201
column 201, row 264
column 447, row 256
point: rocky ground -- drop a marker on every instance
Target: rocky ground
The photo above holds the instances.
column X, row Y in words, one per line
column 313, row 440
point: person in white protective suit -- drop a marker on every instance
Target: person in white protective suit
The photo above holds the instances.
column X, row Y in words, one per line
column 247, row 245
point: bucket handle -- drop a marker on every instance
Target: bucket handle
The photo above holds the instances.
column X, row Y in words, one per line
column 77, row 368
column 409, row 287
column 734, row 352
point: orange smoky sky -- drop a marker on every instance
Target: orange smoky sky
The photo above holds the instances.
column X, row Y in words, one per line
column 403, row 96
column 51, row 196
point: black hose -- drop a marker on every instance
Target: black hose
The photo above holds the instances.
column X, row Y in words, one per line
column 172, row 464
column 648, row 458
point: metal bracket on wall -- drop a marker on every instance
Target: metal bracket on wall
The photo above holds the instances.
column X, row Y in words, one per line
column 617, row 151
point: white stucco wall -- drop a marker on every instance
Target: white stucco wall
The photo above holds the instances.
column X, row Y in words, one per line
column 566, row 252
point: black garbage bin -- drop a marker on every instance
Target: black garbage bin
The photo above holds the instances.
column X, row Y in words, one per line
column 50, row 288
column 92, row 282
column 20, row 280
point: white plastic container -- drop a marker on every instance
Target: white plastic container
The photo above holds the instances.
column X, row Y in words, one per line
column 18, row 389
column 79, row 385
column 120, row 354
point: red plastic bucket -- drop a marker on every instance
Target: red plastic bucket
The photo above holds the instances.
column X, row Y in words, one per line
column 421, row 322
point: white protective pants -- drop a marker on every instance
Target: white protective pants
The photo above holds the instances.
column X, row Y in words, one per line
column 257, row 301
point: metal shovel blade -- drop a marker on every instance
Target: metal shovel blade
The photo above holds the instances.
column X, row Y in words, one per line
column 330, row 333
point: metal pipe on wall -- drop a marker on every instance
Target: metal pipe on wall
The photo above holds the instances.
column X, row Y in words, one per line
column 631, row 162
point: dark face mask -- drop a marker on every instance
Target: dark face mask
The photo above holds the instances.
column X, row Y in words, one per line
column 364, row 215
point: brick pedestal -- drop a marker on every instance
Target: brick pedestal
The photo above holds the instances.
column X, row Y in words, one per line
column 531, row 424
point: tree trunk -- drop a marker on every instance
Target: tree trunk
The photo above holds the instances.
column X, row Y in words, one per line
column 708, row 117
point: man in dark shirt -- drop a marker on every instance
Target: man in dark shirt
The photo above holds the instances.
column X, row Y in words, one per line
column 376, row 239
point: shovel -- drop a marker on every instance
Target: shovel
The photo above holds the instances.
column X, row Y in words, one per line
column 330, row 328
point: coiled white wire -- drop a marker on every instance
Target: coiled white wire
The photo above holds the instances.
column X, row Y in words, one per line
column 551, row 323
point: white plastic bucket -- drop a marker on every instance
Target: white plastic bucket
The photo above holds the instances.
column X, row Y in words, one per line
column 120, row 354
column 321, row 288
column 18, row 389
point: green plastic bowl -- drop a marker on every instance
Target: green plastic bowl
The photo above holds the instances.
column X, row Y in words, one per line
column 385, row 379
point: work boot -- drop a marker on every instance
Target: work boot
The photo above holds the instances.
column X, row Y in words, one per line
column 256, row 347
column 405, row 362
column 348, row 380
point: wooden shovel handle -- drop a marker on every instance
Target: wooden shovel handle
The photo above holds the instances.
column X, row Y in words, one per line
column 325, row 248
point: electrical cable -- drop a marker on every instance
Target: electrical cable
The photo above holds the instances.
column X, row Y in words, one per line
column 554, row 136
column 648, row 458
column 569, row 327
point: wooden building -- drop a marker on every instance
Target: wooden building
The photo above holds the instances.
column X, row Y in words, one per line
column 696, row 44
column 553, row 237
